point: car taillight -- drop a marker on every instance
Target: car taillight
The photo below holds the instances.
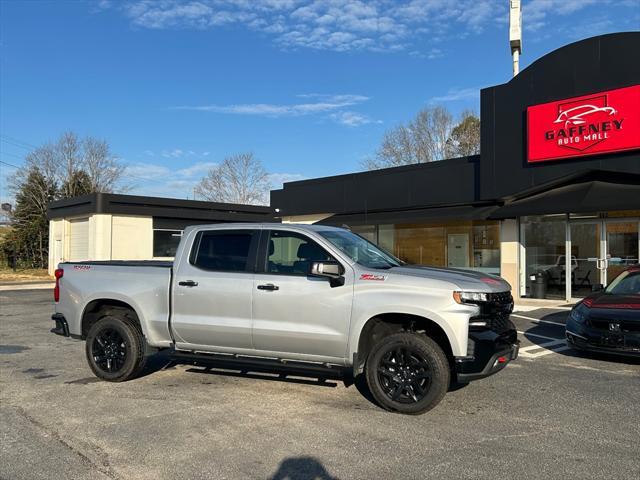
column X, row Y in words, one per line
column 59, row 273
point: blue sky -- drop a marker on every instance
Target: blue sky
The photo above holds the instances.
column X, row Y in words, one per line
column 308, row 86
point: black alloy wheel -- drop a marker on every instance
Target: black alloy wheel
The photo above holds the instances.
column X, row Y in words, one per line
column 115, row 348
column 404, row 375
column 407, row 372
column 109, row 350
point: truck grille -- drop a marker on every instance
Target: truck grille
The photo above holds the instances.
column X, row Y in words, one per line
column 495, row 311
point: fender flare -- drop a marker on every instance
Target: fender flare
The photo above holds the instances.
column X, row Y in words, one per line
column 106, row 296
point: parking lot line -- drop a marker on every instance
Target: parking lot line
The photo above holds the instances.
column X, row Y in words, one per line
column 537, row 335
column 528, row 352
column 537, row 320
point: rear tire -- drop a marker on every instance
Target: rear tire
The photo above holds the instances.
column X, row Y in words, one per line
column 115, row 349
column 407, row 373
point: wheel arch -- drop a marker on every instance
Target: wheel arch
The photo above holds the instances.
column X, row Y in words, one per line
column 384, row 324
column 100, row 307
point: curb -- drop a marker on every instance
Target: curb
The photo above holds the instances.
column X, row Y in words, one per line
column 27, row 286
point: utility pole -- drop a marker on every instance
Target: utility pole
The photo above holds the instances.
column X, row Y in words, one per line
column 515, row 33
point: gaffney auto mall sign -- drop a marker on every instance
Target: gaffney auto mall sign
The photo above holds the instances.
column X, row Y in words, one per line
column 604, row 122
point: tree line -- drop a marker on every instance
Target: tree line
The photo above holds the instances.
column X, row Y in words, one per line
column 74, row 166
column 433, row 134
column 70, row 167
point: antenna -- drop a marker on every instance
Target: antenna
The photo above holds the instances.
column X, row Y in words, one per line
column 515, row 33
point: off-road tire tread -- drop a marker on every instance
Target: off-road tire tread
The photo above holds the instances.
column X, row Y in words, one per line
column 441, row 374
column 137, row 359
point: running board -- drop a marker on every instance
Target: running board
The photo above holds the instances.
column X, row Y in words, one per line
column 256, row 364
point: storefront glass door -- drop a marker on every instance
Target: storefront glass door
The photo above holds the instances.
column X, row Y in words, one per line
column 585, row 253
column 565, row 256
column 622, row 247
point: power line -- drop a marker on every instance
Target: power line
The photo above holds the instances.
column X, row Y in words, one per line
column 10, row 164
column 18, row 143
column 28, row 146
column 12, row 155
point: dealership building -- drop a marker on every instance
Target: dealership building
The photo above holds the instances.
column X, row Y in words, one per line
column 554, row 194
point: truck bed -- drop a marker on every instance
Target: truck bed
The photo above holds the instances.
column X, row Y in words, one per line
column 126, row 263
column 143, row 285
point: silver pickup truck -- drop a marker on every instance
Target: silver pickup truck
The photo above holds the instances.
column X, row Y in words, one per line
column 301, row 298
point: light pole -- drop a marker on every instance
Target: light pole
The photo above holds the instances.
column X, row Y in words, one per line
column 515, row 33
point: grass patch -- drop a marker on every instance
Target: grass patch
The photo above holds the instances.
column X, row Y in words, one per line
column 23, row 274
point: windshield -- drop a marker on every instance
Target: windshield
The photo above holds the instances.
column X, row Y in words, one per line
column 627, row 283
column 360, row 250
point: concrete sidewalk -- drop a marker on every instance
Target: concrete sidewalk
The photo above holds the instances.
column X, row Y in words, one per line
column 529, row 304
column 26, row 285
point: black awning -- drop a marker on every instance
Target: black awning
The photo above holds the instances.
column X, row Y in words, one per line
column 586, row 197
column 464, row 212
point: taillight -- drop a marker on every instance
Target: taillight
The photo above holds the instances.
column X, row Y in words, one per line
column 59, row 273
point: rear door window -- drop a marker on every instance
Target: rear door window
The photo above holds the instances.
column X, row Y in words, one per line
column 224, row 251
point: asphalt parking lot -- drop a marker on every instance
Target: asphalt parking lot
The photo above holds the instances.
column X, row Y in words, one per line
column 550, row 414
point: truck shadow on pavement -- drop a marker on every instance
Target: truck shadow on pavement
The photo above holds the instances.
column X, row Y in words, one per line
column 164, row 361
column 274, row 376
column 301, row 468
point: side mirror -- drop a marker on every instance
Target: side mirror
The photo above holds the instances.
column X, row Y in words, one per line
column 597, row 287
column 331, row 270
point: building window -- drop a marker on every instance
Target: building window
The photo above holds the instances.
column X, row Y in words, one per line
column 366, row 231
column 165, row 242
column 474, row 245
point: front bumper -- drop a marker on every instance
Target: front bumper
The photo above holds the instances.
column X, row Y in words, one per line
column 584, row 337
column 488, row 353
column 62, row 327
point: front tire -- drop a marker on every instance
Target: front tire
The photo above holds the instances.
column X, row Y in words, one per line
column 407, row 373
column 115, row 349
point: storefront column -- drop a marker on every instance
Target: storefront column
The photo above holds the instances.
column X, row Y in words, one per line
column 568, row 267
column 509, row 248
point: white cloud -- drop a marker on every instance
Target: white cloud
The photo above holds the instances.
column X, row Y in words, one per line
column 338, row 25
column 167, row 181
column 146, row 171
column 457, row 94
column 162, row 181
column 350, row 119
column 277, row 179
column 317, row 104
column 198, row 169
column 349, row 25
column 536, row 13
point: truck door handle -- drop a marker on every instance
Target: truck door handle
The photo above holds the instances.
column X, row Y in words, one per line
column 188, row 283
column 268, row 286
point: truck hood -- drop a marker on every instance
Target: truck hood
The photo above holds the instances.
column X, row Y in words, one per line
column 466, row 280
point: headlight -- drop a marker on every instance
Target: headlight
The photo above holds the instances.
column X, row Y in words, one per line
column 470, row 297
column 577, row 314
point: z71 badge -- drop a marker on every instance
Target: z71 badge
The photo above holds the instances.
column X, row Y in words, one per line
column 372, row 276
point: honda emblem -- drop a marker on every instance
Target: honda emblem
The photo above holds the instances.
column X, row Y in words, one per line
column 614, row 327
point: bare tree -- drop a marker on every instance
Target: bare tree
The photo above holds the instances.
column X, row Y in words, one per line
column 423, row 139
column 101, row 166
column 63, row 162
column 465, row 136
column 238, row 179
